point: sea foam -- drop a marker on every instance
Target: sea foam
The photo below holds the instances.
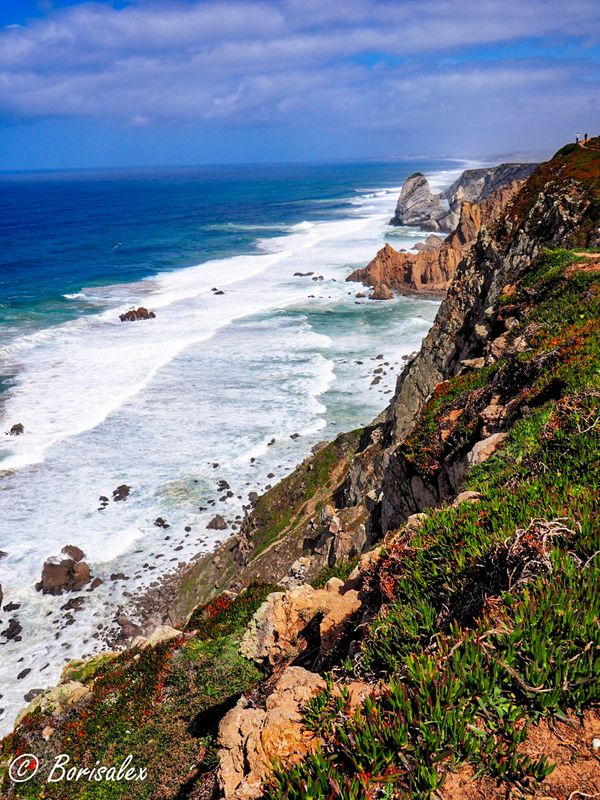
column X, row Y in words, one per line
column 213, row 379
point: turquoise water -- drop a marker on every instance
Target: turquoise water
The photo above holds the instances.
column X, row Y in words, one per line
column 213, row 379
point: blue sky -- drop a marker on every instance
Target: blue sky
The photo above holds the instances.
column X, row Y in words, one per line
column 151, row 82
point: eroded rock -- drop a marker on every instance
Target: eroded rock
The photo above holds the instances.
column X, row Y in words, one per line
column 63, row 575
column 250, row 739
column 288, row 623
column 136, row 314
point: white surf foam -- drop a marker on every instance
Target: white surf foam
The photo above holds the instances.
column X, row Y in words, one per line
column 213, row 379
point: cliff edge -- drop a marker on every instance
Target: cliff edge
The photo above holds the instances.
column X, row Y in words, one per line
column 412, row 613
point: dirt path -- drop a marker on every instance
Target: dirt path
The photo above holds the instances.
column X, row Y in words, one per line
column 587, row 146
column 591, row 263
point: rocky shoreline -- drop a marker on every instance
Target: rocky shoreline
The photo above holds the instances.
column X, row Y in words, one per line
column 425, row 585
column 478, row 198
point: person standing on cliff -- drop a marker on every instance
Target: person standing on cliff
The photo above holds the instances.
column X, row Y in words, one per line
column 576, row 138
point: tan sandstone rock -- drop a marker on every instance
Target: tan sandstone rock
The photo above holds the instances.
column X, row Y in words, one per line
column 250, row 738
column 164, row 633
column 55, row 700
column 485, row 448
column 279, row 631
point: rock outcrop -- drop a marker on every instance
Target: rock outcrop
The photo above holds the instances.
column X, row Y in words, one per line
column 432, row 242
column 381, row 292
column 418, row 206
column 251, row 739
column 56, row 700
column 475, row 185
column 136, row 314
column 432, row 269
column 122, row 492
column 217, row 523
column 289, row 623
column 17, row 429
column 64, row 575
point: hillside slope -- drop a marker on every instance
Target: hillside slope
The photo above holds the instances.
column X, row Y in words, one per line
column 455, row 655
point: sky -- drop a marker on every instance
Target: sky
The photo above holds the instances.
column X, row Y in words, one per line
column 160, row 82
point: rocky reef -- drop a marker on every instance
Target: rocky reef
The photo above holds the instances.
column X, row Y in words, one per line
column 412, row 613
column 417, row 205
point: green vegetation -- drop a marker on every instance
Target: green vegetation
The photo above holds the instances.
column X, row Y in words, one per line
column 282, row 507
column 228, row 614
column 574, row 165
column 161, row 705
column 469, row 699
column 567, row 150
column 423, row 447
column 490, row 610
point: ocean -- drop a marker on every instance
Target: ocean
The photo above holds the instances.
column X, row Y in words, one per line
column 212, row 380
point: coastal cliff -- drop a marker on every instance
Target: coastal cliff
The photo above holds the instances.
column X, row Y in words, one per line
column 417, row 205
column 432, row 269
column 412, row 612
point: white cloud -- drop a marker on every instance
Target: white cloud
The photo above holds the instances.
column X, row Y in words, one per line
column 358, row 63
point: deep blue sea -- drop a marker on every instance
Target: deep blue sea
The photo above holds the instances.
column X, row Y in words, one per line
column 258, row 350
column 60, row 232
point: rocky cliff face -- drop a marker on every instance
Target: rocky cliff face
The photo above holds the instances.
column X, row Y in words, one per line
column 418, row 206
column 435, row 644
column 432, row 269
column 477, row 184
column 554, row 208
